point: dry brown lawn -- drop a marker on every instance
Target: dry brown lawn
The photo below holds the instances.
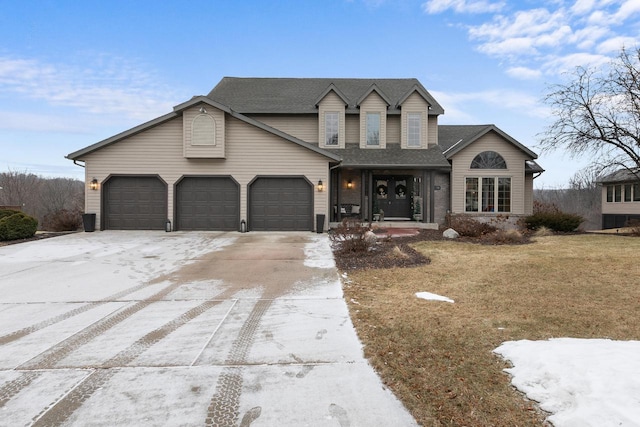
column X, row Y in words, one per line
column 437, row 357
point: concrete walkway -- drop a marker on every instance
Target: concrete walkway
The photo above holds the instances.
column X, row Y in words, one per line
column 182, row 329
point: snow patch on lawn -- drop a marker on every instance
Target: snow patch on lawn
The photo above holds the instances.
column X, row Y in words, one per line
column 433, row 297
column 581, row 382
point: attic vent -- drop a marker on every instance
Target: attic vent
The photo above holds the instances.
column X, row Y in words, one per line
column 203, row 130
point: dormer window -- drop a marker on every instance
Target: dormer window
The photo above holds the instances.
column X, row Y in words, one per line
column 414, row 130
column 331, row 128
column 373, row 129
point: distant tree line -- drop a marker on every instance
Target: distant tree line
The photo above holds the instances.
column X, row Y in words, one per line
column 582, row 197
column 57, row 203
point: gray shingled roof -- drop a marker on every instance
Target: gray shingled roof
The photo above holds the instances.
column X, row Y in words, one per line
column 453, row 138
column 177, row 111
column 622, row 175
column 392, row 156
column 300, row 95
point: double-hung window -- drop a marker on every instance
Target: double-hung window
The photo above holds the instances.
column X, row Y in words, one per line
column 414, row 128
column 373, row 129
column 331, row 128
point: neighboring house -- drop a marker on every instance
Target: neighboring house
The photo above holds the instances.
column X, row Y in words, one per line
column 620, row 198
column 273, row 154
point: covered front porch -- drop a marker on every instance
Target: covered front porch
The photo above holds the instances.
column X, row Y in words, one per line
column 393, row 196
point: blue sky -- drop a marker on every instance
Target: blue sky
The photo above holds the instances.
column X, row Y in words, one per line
column 75, row 72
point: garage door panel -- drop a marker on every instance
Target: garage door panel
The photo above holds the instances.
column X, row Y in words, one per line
column 281, row 203
column 207, row 203
column 135, row 203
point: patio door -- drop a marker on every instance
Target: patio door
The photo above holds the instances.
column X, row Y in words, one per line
column 392, row 196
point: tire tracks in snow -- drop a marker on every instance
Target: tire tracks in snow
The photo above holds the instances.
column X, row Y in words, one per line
column 65, row 407
column 224, row 408
column 5, row 339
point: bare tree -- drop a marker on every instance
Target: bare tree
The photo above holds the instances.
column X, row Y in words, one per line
column 19, row 189
column 46, row 199
column 598, row 113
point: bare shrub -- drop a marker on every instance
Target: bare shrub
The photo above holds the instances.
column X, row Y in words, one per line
column 397, row 252
column 469, row 227
column 543, row 232
column 63, row 220
column 634, row 227
column 351, row 236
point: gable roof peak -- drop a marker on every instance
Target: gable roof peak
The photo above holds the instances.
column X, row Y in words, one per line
column 431, row 102
column 373, row 88
column 332, row 88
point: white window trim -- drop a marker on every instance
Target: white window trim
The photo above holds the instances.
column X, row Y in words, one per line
column 496, row 194
column 366, row 128
column 328, row 114
column 410, row 116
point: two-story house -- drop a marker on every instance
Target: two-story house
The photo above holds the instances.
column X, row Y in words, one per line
column 274, row 153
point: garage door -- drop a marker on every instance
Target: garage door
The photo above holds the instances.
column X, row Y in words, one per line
column 135, row 203
column 281, row 204
column 207, row 203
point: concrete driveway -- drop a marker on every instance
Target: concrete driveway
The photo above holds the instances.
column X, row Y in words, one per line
column 182, row 329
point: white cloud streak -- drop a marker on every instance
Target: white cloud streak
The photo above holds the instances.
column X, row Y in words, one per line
column 548, row 39
column 463, row 6
column 454, row 103
column 105, row 86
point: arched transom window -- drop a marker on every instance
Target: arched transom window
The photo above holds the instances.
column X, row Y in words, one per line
column 488, row 160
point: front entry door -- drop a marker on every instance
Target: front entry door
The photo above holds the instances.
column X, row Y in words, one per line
column 392, row 196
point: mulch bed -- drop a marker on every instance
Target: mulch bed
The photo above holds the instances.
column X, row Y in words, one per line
column 385, row 254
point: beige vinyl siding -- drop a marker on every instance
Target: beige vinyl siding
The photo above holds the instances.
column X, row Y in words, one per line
column 331, row 103
column 461, row 169
column 618, row 208
column 393, row 129
column 204, row 151
column 528, row 194
column 373, row 104
column 352, row 129
column 250, row 152
column 302, row 126
column 414, row 104
column 432, row 137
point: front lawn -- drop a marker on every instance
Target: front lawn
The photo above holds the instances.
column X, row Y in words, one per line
column 437, row 357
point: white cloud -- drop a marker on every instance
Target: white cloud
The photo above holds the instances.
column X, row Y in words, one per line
column 555, row 37
column 583, row 7
column 106, row 85
column 524, row 73
column 562, row 64
column 515, row 100
column 614, row 44
column 463, row 6
column 538, row 26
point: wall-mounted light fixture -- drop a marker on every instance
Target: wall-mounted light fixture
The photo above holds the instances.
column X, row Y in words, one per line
column 349, row 184
column 320, row 185
column 93, row 185
column 203, row 110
